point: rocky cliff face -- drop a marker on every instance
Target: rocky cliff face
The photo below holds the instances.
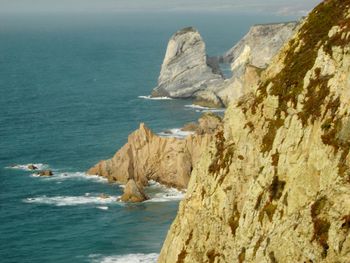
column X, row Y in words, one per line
column 275, row 185
column 259, row 45
column 147, row 156
column 187, row 72
column 185, row 68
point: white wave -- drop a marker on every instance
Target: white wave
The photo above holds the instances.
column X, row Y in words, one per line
column 72, row 200
column 24, row 167
column 102, row 207
column 154, row 98
column 160, row 193
column 76, row 176
column 128, row 258
column 204, row 109
column 175, row 133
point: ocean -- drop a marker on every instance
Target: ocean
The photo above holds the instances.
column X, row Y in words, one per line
column 70, row 87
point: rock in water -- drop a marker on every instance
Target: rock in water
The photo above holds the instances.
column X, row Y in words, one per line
column 32, row 167
column 168, row 161
column 276, row 188
column 133, row 193
column 46, row 173
column 185, row 68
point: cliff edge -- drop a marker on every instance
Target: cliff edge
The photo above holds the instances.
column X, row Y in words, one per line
column 275, row 184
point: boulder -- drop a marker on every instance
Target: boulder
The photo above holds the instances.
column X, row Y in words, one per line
column 133, row 193
column 46, row 173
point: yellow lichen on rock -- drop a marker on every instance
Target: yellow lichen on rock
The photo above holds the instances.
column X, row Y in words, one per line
column 275, row 186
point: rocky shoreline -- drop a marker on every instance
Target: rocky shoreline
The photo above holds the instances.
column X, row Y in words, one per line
column 167, row 160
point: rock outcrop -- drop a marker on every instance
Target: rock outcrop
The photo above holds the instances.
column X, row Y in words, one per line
column 275, row 184
column 259, row 45
column 147, row 156
column 45, row 173
column 133, row 193
column 187, row 72
column 186, row 69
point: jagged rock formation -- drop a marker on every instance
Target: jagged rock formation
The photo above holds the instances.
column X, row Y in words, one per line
column 187, row 72
column 275, row 185
column 147, row 156
column 185, row 68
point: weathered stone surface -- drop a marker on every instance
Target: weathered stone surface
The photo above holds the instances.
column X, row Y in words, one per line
column 133, row 193
column 208, row 98
column 259, row 45
column 147, row 156
column 275, row 185
column 187, row 72
column 185, row 68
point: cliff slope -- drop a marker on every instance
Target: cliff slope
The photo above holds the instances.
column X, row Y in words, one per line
column 260, row 45
column 275, row 185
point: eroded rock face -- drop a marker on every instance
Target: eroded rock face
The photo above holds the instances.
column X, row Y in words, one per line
column 185, row 68
column 248, row 58
column 147, row 156
column 275, row 185
column 259, row 45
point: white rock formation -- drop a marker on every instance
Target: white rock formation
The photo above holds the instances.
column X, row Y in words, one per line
column 185, row 68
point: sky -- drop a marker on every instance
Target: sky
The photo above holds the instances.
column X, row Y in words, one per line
column 280, row 7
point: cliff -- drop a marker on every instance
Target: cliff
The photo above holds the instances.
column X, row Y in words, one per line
column 275, row 184
column 185, row 68
column 259, row 45
column 147, row 156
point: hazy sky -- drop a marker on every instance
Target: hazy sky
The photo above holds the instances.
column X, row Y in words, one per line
column 284, row 7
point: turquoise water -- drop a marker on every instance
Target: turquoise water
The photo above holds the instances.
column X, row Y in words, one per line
column 69, row 88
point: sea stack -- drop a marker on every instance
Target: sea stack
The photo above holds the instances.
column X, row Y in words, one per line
column 133, row 193
column 185, row 69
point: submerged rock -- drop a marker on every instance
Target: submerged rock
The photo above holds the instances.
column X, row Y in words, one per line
column 133, row 193
column 185, row 68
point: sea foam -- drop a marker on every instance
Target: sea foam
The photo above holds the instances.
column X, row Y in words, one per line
column 175, row 133
column 154, row 98
column 204, row 109
column 128, row 258
column 24, row 167
column 72, row 200
column 76, row 176
column 160, row 193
